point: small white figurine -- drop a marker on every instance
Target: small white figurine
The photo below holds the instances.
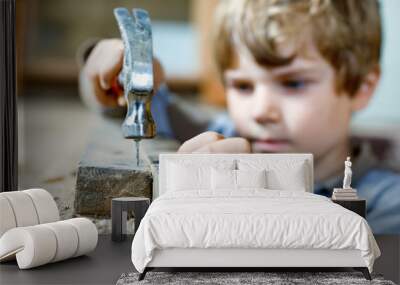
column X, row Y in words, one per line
column 347, row 174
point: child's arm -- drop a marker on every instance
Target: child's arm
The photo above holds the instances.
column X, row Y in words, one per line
column 212, row 142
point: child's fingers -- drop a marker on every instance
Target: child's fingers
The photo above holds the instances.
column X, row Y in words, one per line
column 103, row 62
column 91, row 91
column 110, row 62
column 229, row 145
column 199, row 141
column 103, row 97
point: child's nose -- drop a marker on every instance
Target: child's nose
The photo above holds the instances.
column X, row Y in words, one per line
column 265, row 107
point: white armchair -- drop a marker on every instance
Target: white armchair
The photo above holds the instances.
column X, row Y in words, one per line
column 31, row 232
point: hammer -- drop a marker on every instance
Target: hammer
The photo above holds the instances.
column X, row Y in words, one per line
column 136, row 76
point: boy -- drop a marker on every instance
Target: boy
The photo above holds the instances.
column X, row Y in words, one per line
column 294, row 73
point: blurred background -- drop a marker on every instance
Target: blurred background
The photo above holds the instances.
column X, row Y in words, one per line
column 54, row 125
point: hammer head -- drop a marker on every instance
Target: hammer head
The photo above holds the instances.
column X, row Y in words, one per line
column 137, row 72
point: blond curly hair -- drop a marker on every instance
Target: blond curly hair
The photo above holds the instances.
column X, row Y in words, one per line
column 347, row 33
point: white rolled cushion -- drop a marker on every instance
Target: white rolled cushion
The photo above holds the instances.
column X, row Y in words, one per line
column 251, row 178
column 7, row 218
column 223, row 179
column 87, row 235
column 33, row 245
column 45, row 205
column 40, row 244
column 23, row 208
column 67, row 239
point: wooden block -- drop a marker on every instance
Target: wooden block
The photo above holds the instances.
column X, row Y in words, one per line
column 108, row 169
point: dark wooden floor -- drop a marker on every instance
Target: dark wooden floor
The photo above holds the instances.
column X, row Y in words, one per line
column 103, row 266
column 110, row 259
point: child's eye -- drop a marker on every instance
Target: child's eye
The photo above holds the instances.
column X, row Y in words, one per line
column 242, row 87
column 294, row 84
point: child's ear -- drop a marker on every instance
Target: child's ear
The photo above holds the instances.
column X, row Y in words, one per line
column 364, row 94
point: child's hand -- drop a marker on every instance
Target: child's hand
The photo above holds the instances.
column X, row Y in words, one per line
column 99, row 75
column 212, row 142
column 101, row 70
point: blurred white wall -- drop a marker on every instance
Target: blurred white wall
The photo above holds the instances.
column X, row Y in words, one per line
column 176, row 45
column 384, row 108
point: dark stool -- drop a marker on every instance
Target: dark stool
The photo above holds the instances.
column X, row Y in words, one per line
column 119, row 214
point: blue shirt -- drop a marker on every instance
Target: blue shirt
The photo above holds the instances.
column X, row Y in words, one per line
column 381, row 189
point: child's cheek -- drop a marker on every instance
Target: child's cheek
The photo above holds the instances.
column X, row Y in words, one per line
column 315, row 126
column 306, row 122
column 301, row 121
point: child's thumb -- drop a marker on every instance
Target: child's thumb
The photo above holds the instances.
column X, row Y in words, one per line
column 104, row 84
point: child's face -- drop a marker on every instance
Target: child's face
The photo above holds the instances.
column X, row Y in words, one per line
column 293, row 108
